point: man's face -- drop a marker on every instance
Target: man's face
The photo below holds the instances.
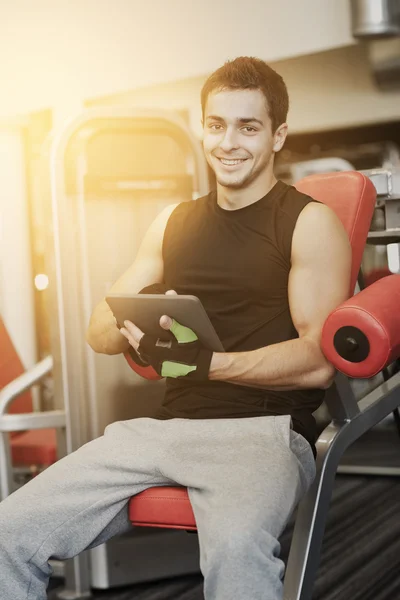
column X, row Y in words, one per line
column 238, row 141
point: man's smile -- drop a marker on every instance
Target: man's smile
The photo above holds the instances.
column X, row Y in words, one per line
column 231, row 162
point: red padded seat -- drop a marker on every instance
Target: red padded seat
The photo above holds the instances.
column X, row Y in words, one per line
column 34, row 447
column 163, row 507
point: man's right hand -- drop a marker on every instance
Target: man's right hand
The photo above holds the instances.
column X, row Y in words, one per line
column 133, row 359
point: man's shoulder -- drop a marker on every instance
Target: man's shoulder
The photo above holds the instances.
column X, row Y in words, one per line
column 317, row 213
column 292, row 201
column 187, row 206
column 291, row 192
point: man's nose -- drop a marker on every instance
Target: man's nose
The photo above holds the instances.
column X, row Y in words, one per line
column 229, row 141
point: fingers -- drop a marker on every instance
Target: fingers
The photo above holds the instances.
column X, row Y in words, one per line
column 166, row 322
column 132, row 333
column 181, row 333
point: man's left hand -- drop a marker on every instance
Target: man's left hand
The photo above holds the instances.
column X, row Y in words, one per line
column 184, row 356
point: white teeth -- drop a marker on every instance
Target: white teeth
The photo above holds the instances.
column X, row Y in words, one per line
column 231, row 162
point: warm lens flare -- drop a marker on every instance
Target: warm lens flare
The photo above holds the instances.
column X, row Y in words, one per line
column 41, row 282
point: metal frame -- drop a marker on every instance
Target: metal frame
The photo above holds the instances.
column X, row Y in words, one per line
column 350, row 420
column 75, row 384
column 23, row 421
column 75, row 373
column 387, row 184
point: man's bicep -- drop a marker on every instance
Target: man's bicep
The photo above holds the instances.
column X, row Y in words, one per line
column 319, row 279
column 148, row 266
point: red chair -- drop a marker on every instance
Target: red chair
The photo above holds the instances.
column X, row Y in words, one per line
column 27, row 438
column 360, row 338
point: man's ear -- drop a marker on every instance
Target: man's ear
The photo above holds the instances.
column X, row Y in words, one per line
column 280, row 137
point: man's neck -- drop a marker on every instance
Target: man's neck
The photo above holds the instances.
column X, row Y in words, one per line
column 233, row 199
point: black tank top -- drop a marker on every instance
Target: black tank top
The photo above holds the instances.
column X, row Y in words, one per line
column 237, row 262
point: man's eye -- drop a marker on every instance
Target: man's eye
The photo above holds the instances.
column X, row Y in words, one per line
column 249, row 129
column 215, row 126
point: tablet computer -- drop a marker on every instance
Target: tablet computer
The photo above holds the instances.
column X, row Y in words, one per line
column 145, row 311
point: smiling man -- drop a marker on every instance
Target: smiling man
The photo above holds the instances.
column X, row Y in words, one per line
column 240, row 149
column 236, row 428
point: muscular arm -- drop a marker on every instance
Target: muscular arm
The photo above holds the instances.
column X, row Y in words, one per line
column 103, row 335
column 319, row 281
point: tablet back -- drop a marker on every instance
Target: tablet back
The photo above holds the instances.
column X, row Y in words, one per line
column 145, row 311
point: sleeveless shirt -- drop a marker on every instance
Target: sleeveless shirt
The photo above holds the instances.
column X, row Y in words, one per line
column 237, row 263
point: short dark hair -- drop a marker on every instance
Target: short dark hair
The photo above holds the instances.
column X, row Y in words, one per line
column 248, row 73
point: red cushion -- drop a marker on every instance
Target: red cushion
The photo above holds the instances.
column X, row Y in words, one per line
column 374, row 311
column 375, row 275
column 10, row 368
column 351, row 195
column 162, row 507
column 35, row 447
column 147, row 372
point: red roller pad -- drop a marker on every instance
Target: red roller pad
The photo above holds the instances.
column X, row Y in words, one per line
column 375, row 311
column 146, row 372
column 162, row 507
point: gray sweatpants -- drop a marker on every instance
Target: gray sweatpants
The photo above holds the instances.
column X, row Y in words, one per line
column 244, row 476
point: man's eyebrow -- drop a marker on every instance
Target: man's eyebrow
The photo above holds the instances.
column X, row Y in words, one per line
column 214, row 118
column 250, row 120
column 239, row 120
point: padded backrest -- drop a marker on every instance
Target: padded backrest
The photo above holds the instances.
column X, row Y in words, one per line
column 352, row 196
column 10, row 368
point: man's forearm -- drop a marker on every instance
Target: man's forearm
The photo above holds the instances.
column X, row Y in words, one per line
column 103, row 334
column 290, row 365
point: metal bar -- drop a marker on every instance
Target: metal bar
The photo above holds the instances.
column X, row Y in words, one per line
column 383, row 390
column 39, row 420
column 368, row 470
column 24, row 382
column 312, row 512
column 6, row 478
column 374, row 407
column 21, row 422
column 310, row 522
column 77, row 579
column 339, row 409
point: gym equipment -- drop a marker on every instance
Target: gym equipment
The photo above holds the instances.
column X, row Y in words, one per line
column 27, row 437
column 112, row 170
column 376, row 452
column 352, row 196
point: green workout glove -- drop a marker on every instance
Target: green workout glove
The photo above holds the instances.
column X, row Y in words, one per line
column 183, row 357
